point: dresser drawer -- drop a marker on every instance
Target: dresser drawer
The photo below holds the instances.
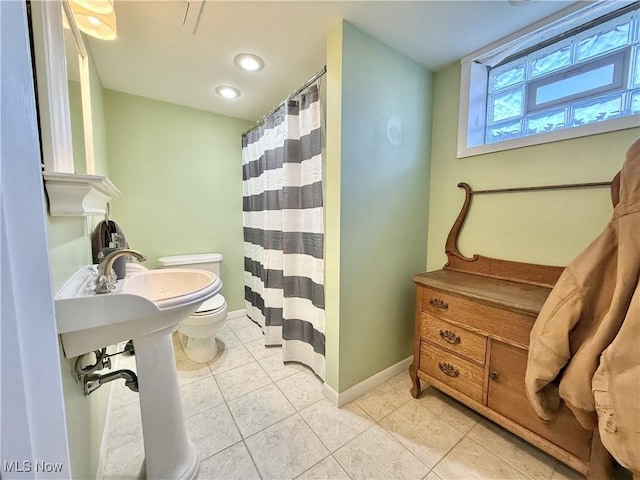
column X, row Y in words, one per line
column 507, row 396
column 498, row 322
column 456, row 372
column 453, row 338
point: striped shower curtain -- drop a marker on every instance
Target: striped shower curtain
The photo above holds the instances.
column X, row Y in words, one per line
column 284, row 231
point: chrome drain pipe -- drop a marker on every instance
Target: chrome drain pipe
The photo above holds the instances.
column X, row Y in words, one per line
column 93, row 382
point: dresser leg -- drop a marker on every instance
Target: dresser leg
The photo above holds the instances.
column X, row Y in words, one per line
column 601, row 461
column 413, row 373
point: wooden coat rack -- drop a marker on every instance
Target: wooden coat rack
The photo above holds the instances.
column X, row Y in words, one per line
column 529, row 273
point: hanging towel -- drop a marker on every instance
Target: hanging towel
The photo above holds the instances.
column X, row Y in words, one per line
column 101, row 237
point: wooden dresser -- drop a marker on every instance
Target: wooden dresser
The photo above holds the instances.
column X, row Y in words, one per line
column 472, row 326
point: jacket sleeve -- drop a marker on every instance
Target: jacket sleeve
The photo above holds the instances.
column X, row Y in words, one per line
column 549, row 348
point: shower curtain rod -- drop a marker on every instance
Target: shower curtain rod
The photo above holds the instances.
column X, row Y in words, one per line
column 317, row 75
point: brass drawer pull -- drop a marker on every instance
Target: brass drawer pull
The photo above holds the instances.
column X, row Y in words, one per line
column 437, row 303
column 448, row 369
column 493, row 375
column 449, row 336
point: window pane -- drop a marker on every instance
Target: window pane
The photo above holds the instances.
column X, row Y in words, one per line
column 545, row 123
column 507, row 105
column 498, row 133
column 598, row 111
column 551, row 61
column 635, row 78
column 589, row 75
column 617, row 35
column 635, row 102
column 507, row 77
column 582, row 82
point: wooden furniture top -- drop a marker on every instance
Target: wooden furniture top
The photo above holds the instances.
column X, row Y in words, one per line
column 504, row 293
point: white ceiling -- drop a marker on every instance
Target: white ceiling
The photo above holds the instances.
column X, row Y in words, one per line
column 156, row 56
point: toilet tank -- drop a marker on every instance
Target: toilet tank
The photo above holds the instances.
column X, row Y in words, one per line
column 201, row 261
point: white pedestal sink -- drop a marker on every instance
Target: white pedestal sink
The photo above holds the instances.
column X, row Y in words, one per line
column 146, row 306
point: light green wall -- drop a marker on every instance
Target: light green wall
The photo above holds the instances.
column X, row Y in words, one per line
column 332, row 205
column 549, row 227
column 180, row 173
column 384, row 184
column 69, row 248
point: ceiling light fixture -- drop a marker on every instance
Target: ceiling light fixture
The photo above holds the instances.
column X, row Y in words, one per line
column 96, row 6
column 227, row 92
column 248, row 62
column 98, row 25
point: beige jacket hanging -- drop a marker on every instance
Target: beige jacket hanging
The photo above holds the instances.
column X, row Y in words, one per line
column 590, row 327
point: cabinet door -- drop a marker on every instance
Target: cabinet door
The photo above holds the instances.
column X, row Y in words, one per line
column 507, row 367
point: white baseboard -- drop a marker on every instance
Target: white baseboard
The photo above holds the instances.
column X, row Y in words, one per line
column 236, row 314
column 340, row 399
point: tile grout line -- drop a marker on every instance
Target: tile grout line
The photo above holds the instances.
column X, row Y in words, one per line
column 296, row 411
column 394, row 437
column 245, row 393
column 317, row 463
column 273, row 382
column 442, row 418
column 268, row 426
column 255, row 465
column 497, row 455
column 445, row 455
column 285, row 395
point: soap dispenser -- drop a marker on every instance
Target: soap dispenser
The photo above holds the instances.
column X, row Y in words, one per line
column 119, row 265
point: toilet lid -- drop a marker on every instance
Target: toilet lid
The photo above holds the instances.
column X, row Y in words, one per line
column 214, row 303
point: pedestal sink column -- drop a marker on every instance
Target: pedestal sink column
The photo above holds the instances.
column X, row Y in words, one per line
column 169, row 454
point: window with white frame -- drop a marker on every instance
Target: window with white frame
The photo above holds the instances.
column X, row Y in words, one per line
column 552, row 84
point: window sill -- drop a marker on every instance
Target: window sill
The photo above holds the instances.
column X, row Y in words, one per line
column 78, row 195
column 612, row 125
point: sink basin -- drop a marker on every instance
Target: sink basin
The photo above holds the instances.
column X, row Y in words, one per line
column 143, row 302
column 146, row 306
column 169, row 288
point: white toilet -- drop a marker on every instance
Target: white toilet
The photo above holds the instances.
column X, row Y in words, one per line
column 197, row 333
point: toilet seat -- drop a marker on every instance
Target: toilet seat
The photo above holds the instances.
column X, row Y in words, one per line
column 197, row 333
column 211, row 306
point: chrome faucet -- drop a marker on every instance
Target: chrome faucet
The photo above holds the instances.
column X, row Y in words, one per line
column 106, row 280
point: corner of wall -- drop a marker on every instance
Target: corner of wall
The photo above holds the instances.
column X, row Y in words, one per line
column 385, row 102
column 332, row 204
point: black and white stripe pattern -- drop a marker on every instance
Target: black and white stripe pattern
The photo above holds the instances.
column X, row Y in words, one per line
column 284, row 230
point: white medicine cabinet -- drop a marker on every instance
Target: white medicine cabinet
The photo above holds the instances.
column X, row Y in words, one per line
column 62, row 62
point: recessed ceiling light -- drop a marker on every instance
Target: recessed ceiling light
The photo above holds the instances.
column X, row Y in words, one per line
column 227, row 92
column 248, row 62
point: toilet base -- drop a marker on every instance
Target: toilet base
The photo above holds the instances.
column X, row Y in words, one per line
column 199, row 350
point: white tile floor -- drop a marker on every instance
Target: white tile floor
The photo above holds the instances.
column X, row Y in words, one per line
column 251, row 417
